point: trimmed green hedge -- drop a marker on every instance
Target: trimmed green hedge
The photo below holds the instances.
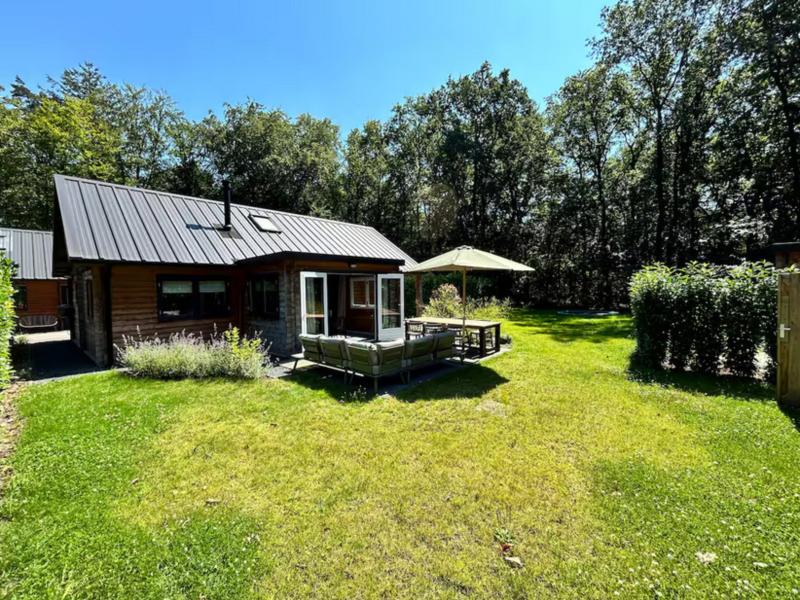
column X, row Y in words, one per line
column 705, row 317
column 6, row 319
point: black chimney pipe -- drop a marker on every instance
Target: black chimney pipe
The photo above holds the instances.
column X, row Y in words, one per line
column 226, row 194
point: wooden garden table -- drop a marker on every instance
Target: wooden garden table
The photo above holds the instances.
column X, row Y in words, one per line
column 471, row 324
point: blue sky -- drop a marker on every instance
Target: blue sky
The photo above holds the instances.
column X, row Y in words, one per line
column 349, row 61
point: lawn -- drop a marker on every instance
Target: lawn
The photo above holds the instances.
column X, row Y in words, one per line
column 604, row 480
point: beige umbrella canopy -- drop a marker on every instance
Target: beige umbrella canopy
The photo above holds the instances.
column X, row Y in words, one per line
column 467, row 258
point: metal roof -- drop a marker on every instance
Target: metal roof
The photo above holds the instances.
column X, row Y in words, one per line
column 31, row 251
column 117, row 223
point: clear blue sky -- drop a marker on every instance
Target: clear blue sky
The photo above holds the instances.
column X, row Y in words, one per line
column 349, row 61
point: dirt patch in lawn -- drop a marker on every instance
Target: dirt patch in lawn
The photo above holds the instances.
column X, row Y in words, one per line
column 9, row 431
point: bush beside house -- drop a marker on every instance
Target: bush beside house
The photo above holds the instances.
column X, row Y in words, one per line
column 705, row 317
column 6, row 319
column 186, row 355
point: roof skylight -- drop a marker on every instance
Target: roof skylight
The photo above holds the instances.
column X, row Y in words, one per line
column 264, row 223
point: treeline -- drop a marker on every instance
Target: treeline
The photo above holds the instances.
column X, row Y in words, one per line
column 681, row 143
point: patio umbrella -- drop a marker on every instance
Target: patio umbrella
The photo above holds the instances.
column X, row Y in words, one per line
column 463, row 259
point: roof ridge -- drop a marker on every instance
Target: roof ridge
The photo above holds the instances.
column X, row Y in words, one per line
column 209, row 201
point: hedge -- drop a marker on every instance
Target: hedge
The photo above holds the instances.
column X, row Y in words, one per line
column 6, row 319
column 705, row 317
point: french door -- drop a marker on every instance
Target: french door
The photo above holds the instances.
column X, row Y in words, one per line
column 390, row 306
column 314, row 302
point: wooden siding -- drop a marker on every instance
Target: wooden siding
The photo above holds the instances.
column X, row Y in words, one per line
column 42, row 296
column 134, row 301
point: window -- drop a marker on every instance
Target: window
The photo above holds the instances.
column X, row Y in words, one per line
column 63, row 294
column 89, row 298
column 213, row 295
column 192, row 298
column 264, row 299
column 264, row 223
column 362, row 292
column 21, row 298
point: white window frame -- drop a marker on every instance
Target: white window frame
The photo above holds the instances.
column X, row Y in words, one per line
column 370, row 281
column 394, row 333
column 313, row 275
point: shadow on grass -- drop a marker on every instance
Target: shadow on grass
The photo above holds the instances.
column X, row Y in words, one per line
column 472, row 381
column 740, row 388
column 437, row 382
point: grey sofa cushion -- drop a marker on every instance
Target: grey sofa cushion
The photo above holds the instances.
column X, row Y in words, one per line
column 444, row 344
column 334, row 351
column 418, row 351
column 363, row 357
column 311, row 348
column 390, row 356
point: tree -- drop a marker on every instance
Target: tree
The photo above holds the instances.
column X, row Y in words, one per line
column 589, row 115
column 653, row 39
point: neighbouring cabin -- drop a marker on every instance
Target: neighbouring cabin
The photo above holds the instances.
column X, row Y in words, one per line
column 39, row 295
column 783, row 254
column 145, row 263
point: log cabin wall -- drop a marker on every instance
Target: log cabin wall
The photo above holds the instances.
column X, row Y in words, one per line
column 134, row 302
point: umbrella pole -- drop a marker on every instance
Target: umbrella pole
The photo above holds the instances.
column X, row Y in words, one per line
column 464, row 314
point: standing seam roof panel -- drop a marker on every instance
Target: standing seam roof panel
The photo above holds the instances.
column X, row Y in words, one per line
column 177, row 211
column 139, row 233
column 223, row 241
column 101, row 230
column 151, row 225
column 255, row 245
column 30, row 250
column 171, row 234
column 77, row 231
column 125, row 242
column 132, row 224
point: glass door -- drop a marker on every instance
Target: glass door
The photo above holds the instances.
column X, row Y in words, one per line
column 390, row 306
column 314, row 302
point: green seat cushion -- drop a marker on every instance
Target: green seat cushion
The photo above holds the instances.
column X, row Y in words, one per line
column 311, row 348
column 363, row 357
column 334, row 351
column 420, row 346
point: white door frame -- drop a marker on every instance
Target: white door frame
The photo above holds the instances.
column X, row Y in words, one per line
column 393, row 333
column 313, row 275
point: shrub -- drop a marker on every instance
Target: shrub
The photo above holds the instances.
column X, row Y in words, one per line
column 6, row 319
column 651, row 292
column 702, row 314
column 446, row 302
column 184, row 355
column 706, row 317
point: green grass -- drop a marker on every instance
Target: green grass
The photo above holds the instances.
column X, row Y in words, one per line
column 605, row 480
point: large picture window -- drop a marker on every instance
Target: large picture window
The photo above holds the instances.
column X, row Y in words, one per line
column 192, row 298
column 362, row 292
column 264, row 297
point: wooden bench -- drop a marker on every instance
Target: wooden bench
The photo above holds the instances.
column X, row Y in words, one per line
column 30, row 322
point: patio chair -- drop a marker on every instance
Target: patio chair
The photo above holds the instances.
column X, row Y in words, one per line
column 415, row 330
column 432, row 328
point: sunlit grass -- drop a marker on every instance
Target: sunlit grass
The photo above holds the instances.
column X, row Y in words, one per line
column 604, row 480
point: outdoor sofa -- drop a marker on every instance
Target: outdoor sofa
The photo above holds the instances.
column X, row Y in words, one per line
column 377, row 359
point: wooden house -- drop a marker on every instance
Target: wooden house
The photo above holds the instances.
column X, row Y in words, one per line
column 38, row 293
column 144, row 262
